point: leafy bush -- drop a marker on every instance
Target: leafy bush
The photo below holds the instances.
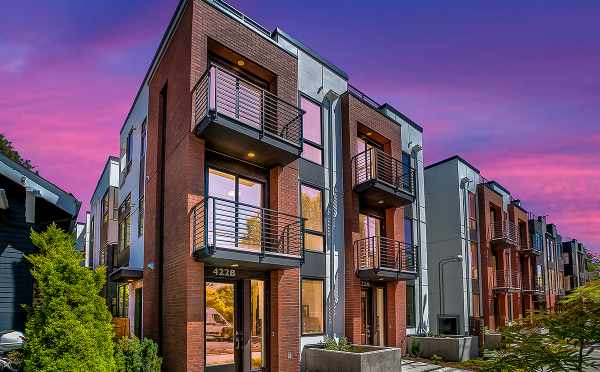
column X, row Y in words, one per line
column 415, row 348
column 342, row 345
column 135, row 355
column 436, row 359
column 69, row 327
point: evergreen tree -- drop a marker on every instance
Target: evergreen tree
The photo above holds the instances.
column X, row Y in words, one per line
column 69, row 327
column 6, row 148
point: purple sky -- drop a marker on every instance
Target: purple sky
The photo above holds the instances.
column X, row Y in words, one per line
column 512, row 86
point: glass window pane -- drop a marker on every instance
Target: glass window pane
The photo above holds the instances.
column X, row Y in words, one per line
column 219, row 324
column 311, row 122
column 312, row 208
column 257, row 325
column 312, row 306
column 221, row 184
column 312, row 153
column 249, row 218
column 410, row 306
column 313, row 242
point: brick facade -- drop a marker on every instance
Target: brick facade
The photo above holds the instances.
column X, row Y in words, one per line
column 355, row 114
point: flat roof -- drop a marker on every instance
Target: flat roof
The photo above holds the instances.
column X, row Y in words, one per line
column 454, row 157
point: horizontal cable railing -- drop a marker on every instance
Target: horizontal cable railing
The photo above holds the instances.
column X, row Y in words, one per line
column 504, row 230
column 506, row 279
column 374, row 164
column 378, row 252
column 222, row 92
column 223, row 224
column 533, row 284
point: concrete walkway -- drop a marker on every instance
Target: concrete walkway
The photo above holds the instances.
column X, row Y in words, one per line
column 410, row 365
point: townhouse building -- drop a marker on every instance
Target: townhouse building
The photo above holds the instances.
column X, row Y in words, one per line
column 575, row 264
column 263, row 202
column 536, row 284
column 479, row 250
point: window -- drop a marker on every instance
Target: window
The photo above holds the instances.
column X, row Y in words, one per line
column 105, row 206
column 312, row 210
column 411, row 318
column 313, row 300
column 142, row 183
column 472, row 216
column 312, row 131
column 141, row 217
column 122, row 308
column 91, row 258
column 125, row 224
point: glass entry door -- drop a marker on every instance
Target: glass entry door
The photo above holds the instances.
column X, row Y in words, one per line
column 372, row 316
column 235, row 334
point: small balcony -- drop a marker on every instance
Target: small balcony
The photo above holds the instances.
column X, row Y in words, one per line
column 226, row 233
column 240, row 119
column 504, row 233
column 506, row 280
column 383, row 181
column 534, row 286
column 383, row 259
column 529, row 248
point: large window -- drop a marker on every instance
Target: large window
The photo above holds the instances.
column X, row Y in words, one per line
column 105, row 206
column 411, row 318
column 312, row 131
column 122, row 308
column 312, row 210
column 313, row 313
column 125, row 224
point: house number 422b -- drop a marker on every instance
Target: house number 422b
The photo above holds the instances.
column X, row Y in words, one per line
column 219, row 271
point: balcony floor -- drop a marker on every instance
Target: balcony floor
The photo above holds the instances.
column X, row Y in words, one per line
column 232, row 137
column 245, row 259
column 378, row 194
column 383, row 275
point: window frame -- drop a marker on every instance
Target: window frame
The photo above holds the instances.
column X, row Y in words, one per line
column 124, row 215
column 105, row 205
column 319, row 147
column 315, row 279
column 414, row 304
column 310, row 231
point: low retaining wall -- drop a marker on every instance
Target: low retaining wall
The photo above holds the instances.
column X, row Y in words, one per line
column 451, row 349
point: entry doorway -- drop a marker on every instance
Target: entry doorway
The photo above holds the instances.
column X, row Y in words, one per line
column 235, row 324
column 372, row 315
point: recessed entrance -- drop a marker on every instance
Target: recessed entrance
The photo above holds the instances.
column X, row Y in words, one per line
column 235, row 321
column 372, row 315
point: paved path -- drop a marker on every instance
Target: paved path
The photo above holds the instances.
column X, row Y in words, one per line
column 412, row 366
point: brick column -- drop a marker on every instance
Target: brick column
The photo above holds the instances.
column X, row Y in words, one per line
column 396, row 314
column 285, row 320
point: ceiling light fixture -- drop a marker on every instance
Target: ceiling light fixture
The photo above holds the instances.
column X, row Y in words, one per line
column 240, row 62
column 251, row 155
column 369, row 133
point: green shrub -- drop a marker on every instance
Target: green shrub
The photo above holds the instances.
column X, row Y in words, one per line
column 342, row 345
column 415, row 348
column 135, row 355
column 436, row 359
column 69, row 327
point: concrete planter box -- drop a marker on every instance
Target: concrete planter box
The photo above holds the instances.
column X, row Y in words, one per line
column 492, row 340
column 451, row 349
column 362, row 359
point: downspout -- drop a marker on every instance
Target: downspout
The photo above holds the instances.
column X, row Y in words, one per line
column 464, row 182
column 414, row 149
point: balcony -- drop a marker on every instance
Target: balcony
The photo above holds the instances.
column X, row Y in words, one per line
column 529, row 248
column 382, row 181
column 240, row 119
column 507, row 281
column 226, row 233
column 505, row 233
column 534, row 286
column 383, row 259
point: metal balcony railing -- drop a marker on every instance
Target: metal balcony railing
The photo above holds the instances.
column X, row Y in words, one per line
column 221, row 92
column 533, row 284
column 507, row 280
column 223, row 224
column 504, row 231
column 374, row 164
column 381, row 253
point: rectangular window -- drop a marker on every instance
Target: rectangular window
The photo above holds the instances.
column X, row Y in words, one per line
column 125, row 224
column 411, row 319
column 141, row 217
column 313, row 309
column 472, row 216
column 312, row 131
column 105, row 207
column 312, row 209
column 122, row 301
column 142, row 183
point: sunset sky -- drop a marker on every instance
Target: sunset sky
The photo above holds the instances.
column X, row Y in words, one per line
column 512, row 86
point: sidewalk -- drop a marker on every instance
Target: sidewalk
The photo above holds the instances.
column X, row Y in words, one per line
column 410, row 365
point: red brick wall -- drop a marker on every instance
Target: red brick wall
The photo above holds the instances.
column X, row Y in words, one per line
column 184, row 60
column 355, row 112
